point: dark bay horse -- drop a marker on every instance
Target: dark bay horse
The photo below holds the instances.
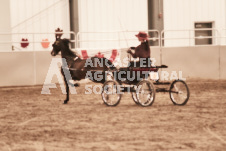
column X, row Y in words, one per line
column 78, row 67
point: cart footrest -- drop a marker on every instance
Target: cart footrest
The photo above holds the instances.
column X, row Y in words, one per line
column 162, row 66
column 128, row 89
column 161, row 90
column 161, row 83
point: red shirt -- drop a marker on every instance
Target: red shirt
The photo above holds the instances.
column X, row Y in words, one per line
column 142, row 51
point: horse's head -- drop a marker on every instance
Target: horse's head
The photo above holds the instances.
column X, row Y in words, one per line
column 56, row 47
column 61, row 45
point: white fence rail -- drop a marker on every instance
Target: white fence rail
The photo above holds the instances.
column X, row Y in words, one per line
column 223, row 37
column 105, row 40
column 178, row 38
column 34, row 41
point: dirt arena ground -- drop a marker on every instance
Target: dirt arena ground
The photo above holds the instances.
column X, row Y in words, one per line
column 31, row 121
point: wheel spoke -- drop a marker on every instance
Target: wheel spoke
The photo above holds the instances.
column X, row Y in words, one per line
column 145, row 93
column 110, row 94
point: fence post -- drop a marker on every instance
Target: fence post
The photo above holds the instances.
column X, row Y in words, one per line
column 34, row 57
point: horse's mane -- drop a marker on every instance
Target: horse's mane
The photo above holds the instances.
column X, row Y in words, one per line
column 66, row 44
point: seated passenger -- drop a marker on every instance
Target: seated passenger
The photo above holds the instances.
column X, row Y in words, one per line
column 142, row 51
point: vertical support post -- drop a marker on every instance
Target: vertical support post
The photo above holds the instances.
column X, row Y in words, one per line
column 189, row 38
column 74, row 18
column 155, row 17
column 78, row 40
column 34, row 58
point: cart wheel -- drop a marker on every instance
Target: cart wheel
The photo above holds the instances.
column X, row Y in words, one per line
column 111, row 94
column 145, row 93
column 179, row 92
column 134, row 96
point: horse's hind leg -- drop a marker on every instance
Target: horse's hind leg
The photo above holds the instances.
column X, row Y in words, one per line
column 67, row 88
column 67, row 91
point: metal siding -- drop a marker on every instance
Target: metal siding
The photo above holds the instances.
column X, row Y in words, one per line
column 28, row 72
column 111, row 15
column 5, row 25
column 39, row 16
column 182, row 14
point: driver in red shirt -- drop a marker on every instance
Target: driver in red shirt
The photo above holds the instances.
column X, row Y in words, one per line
column 142, row 51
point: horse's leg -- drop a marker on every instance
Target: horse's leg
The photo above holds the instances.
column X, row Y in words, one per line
column 67, row 88
column 67, row 91
column 76, row 84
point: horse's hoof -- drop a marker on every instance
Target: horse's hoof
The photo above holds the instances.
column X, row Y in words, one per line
column 65, row 102
column 76, row 84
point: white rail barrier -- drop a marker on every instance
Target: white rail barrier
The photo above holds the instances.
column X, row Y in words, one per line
column 104, row 40
column 178, row 38
column 35, row 40
column 223, row 37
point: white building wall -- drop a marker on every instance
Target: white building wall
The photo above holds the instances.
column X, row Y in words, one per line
column 111, row 15
column 182, row 14
column 38, row 16
column 5, row 25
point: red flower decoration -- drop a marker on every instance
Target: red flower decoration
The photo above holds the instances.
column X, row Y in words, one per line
column 24, row 43
column 113, row 55
column 99, row 55
column 45, row 43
